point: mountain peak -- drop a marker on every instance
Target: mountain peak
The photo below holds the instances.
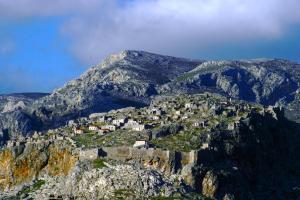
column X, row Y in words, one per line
column 132, row 77
column 135, row 56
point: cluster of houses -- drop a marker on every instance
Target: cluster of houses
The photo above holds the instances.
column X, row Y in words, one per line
column 194, row 111
column 102, row 124
column 198, row 110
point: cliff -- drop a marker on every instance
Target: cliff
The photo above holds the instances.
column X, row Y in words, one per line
column 22, row 164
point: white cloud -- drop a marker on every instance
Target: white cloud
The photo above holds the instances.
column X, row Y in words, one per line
column 97, row 28
column 28, row 8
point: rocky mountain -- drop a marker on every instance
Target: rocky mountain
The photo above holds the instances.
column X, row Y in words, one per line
column 12, row 117
column 12, row 102
column 263, row 81
column 127, row 78
column 132, row 78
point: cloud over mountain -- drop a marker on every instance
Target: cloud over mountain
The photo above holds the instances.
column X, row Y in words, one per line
column 97, row 28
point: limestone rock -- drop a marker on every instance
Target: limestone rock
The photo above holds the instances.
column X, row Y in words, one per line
column 210, row 185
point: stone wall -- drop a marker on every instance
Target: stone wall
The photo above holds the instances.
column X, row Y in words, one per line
column 163, row 160
column 88, row 154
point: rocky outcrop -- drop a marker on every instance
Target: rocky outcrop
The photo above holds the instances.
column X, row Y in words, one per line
column 210, row 185
column 166, row 130
column 12, row 102
column 22, row 164
column 240, row 164
column 17, row 122
column 13, row 119
column 113, row 182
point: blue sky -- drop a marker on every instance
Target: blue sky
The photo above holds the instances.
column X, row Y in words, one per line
column 38, row 60
column 43, row 44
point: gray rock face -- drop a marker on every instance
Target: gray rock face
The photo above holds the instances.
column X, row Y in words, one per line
column 16, row 122
column 131, row 78
column 108, row 183
column 13, row 120
column 265, row 82
column 12, row 102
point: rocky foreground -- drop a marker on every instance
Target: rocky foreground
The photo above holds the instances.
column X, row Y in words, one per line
column 195, row 147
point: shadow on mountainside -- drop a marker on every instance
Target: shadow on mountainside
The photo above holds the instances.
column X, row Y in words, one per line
column 259, row 160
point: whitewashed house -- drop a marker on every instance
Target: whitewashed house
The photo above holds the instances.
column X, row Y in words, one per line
column 141, row 144
column 118, row 122
column 188, row 105
column 175, row 117
column 93, row 128
column 184, row 117
column 204, row 146
column 155, row 117
column 177, row 112
column 78, row 131
column 131, row 123
column 60, row 138
column 200, row 123
column 108, row 127
column 138, row 127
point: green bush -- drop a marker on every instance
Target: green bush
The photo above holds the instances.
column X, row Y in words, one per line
column 98, row 163
column 36, row 186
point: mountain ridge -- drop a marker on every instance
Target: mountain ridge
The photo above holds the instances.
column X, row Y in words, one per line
column 132, row 78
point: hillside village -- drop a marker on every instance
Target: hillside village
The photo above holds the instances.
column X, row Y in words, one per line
column 180, row 123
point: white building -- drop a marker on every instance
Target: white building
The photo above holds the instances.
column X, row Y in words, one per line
column 60, row 138
column 188, row 105
column 118, row 122
column 184, row 117
column 132, row 122
column 93, row 128
column 138, row 127
column 78, row 131
column 140, row 144
column 175, row 117
column 109, row 127
column 200, row 123
column 204, row 146
column 155, row 117
column 177, row 112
